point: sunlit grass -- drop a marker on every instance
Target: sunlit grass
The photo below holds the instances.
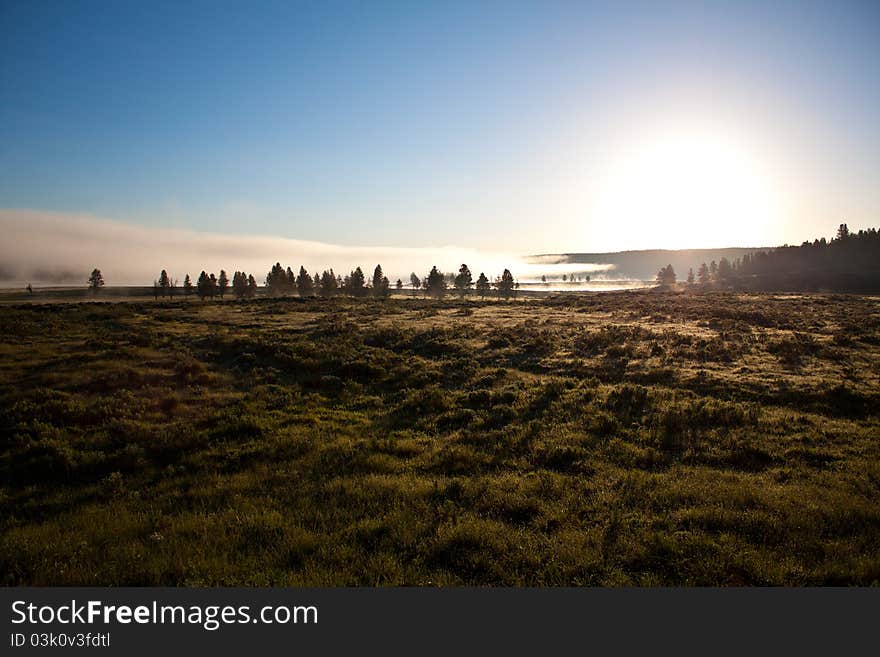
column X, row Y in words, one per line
column 614, row 439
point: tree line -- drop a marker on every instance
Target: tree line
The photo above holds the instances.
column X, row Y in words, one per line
column 848, row 262
column 281, row 281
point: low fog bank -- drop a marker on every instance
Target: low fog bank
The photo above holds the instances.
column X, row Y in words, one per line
column 46, row 248
column 643, row 265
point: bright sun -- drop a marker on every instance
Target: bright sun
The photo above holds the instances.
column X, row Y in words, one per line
column 687, row 192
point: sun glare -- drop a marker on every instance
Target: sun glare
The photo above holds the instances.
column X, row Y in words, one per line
column 686, row 192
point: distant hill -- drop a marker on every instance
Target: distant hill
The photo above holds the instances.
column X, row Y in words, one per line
column 644, row 265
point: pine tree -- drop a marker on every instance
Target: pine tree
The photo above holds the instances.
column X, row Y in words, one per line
column 399, row 285
column 666, row 275
column 691, row 278
column 277, row 280
column 482, row 285
column 357, row 284
column 703, row 274
column 505, row 284
column 187, row 285
column 329, row 284
column 380, row 283
column 725, row 271
column 203, row 285
column 222, row 283
column 212, row 286
column 415, row 282
column 239, row 284
column 251, row 286
column 96, row 281
column 436, row 283
column 164, row 282
column 304, row 283
column 464, row 281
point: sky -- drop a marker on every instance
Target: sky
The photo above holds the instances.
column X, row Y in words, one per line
column 515, row 127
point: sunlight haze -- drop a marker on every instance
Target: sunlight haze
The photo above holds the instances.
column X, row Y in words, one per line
column 515, row 127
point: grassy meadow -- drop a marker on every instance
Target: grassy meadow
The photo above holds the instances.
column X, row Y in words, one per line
column 632, row 438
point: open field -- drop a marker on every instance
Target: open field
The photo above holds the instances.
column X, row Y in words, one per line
column 633, row 438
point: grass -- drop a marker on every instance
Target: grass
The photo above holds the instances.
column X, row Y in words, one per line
column 609, row 439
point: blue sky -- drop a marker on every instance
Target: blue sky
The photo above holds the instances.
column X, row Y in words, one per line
column 487, row 125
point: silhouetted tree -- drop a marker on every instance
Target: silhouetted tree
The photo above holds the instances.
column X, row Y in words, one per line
column 666, row 275
column 464, row 281
column 164, row 282
column 239, row 284
column 415, row 282
column 329, row 284
column 842, row 232
column 212, row 288
column 436, row 283
column 399, row 285
column 357, row 283
column 222, row 283
column 703, row 274
column 505, row 284
column 725, row 271
column 713, row 270
column 96, row 281
column 187, row 286
column 380, row 283
column 304, row 283
column 482, row 285
column 277, row 280
column 316, row 283
column 251, row 286
column 691, row 278
column 291, row 281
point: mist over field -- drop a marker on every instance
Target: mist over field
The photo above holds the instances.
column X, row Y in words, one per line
column 47, row 248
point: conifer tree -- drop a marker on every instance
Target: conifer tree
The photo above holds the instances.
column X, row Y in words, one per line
column 436, row 283
column 357, row 283
column 505, row 284
column 164, row 282
column 304, row 283
column 96, row 281
column 380, row 283
column 415, row 282
column 704, row 276
column 329, row 284
column 482, row 285
column 203, row 286
column 464, row 281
